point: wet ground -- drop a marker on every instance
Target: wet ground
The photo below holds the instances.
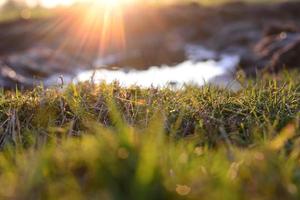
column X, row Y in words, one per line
column 263, row 37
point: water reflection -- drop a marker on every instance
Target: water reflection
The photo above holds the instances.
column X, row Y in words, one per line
column 202, row 66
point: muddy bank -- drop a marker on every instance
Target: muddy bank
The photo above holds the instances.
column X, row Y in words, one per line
column 265, row 36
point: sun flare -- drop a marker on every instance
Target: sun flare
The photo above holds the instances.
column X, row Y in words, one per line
column 99, row 3
column 110, row 3
column 102, row 23
column 97, row 25
column 107, row 3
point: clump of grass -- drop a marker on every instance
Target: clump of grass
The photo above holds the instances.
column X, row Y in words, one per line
column 127, row 163
column 104, row 141
column 256, row 113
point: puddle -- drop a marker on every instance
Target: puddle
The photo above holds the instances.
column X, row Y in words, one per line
column 201, row 67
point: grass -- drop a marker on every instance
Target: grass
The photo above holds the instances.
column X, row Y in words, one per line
column 107, row 142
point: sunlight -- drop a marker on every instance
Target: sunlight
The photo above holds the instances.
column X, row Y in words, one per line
column 53, row 3
column 109, row 3
column 109, row 22
column 103, row 3
column 98, row 24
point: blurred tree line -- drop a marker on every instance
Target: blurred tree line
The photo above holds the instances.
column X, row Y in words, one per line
column 10, row 5
column 13, row 5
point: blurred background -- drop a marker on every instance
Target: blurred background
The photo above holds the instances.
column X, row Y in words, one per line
column 145, row 42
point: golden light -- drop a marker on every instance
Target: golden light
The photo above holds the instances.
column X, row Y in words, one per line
column 95, row 27
column 109, row 3
column 104, row 3
column 98, row 25
column 112, row 30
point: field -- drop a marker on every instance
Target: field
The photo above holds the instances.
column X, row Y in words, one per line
column 64, row 139
column 106, row 142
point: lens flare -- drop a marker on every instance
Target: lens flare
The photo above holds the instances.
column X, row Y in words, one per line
column 110, row 3
column 97, row 25
column 53, row 3
column 106, row 17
